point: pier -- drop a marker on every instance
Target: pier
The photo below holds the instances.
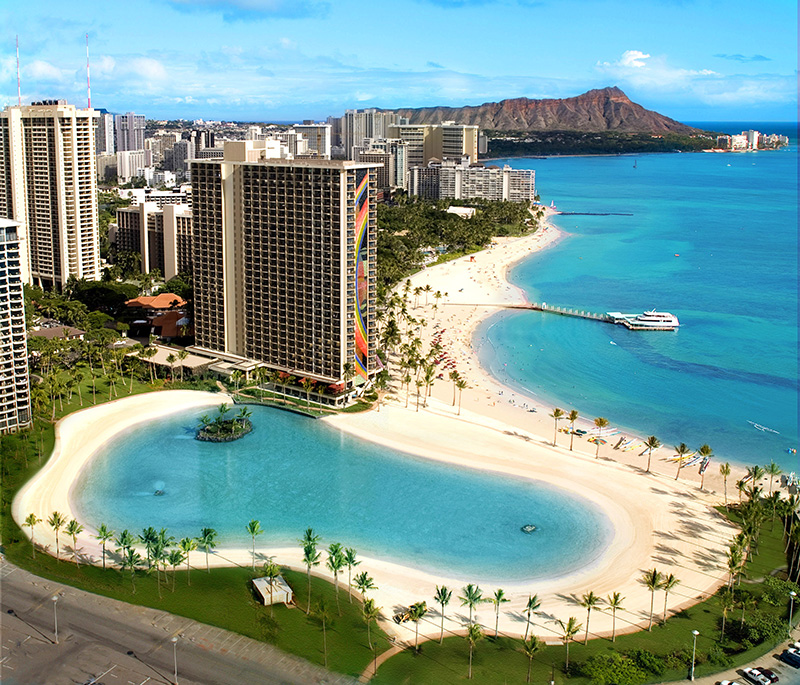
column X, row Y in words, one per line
column 617, row 318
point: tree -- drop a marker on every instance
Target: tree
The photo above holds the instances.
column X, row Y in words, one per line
column 124, row 542
column 557, row 415
column 271, row 572
column 148, row 537
column 667, row 584
column 57, row 521
column 335, row 564
column 568, row 632
column 416, row 613
column 589, row 601
column 706, row 452
column 471, row 598
column 681, row 450
column 174, row 559
column 307, row 384
column 32, row 520
column 207, row 541
column 187, row 545
column 530, row 648
column 442, row 597
column 727, row 604
column 363, row 582
column 652, row 580
column 497, row 599
column 74, row 529
column 182, row 355
column 572, row 417
column 324, row 616
column 254, row 528
column 171, row 359
column 310, row 558
column 350, row 561
column 600, row 422
column 474, row 634
column 615, row 604
column 725, row 471
column 652, row 443
column 370, row 613
column 531, row 606
column 462, row 385
column 773, row 471
column 131, row 560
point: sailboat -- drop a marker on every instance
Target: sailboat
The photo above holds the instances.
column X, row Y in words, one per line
column 634, row 163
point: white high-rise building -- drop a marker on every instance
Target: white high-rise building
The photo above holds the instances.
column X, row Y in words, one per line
column 15, row 396
column 129, row 131
column 48, row 183
column 104, row 136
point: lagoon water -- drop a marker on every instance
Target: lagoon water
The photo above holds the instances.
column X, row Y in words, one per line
column 710, row 237
column 292, row 472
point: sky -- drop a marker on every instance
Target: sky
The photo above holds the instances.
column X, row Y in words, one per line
column 286, row 60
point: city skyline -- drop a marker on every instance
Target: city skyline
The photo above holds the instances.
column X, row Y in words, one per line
column 271, row 60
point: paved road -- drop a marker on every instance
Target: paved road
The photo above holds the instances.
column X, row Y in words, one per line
column 101, row 640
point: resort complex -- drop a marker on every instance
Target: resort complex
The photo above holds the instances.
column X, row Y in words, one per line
column 273, row 407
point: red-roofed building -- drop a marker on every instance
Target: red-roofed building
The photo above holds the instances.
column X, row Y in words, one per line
column 161, row 302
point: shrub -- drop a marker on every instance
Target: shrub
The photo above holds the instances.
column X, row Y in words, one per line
column 776, row 591
column 648, row 661
column 760, row 627
column 613, row 669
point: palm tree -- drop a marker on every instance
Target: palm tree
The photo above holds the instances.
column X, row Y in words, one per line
column 370, row 613
column 187, row 545
column 335, row 564
column 531, row 606
column 236, row 377
column 415, row 613
column 131, row 560
column 310, row 558
column 442, row 597
column 363, row 582
column 174, row 559
column 148, row 536
column 181, row 357
column 727, row 604
column 652, row 579
column 471, row 598
column 124, row 541
column 530, row 648
column 207, row 541
column 497, row 599
column 667, row 584
column 725, row 471
column 350, row 561
column 652, row 443
column 474, row 634
column 600, row 422
column 773, row 471
column 568, row 632
column 615, row 604
column 462, row 385
column 57, row 521
column 271, row 571
column 706, row 452
column 454, row 376
column 307, row 384
column 589, row 601
column 31, row 520
column 323, row 614
column 171, row 359
column 104, row 534
column 74, row 529
column 557, row 415
column 254, row 528
column 572, row 417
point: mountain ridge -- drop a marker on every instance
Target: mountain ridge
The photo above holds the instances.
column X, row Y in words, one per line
column 598, row 110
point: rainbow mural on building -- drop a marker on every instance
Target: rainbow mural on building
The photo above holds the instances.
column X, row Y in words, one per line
column 362, row 271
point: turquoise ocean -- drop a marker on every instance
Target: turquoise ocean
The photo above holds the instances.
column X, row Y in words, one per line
column 710, row 237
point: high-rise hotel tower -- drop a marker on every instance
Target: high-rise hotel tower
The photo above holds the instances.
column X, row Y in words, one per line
column 284, row 262
column 48, row 183
column 15, row 397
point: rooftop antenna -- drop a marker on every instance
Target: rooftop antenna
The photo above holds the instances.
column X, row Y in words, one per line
column 19, row 90
column 88, row 82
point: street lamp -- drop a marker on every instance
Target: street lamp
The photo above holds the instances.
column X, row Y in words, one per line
column 792, row 595
column 175, row 657
column 55, row 614
column 695, row 633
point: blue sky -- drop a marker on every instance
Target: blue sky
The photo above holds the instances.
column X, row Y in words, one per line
column 271, row 60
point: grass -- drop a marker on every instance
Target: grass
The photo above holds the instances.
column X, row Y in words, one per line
column 221, row 598
column 503, row 661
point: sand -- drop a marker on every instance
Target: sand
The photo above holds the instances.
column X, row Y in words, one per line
column 658, row 522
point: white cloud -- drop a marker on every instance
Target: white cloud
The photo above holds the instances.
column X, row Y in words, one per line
column 148, row 68
column 633, row 58
column 642, row 70
column 40, row 70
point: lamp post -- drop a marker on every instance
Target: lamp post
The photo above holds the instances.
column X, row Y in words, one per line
column 695, row 633
column 54, row 598
column 175, row 657
column 792, row 595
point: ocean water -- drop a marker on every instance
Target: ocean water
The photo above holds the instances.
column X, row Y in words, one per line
column 710, row 237
column 292, row 473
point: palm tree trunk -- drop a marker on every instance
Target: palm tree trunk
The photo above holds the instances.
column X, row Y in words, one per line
column 470, row 662
column 527, row 626
column 586, row 638
column 614, row 625
column 652, row 600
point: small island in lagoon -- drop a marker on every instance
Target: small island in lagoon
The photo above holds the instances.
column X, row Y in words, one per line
column 220, row 429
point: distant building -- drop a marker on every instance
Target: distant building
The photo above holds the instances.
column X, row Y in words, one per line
column 132, row 164
column 318, row 139
column 129, row 132
column 461, row 180
column 15, row 396
column 288, row 278
column 48, row 183
column 393, row 154
column 162, row 237
column 360, row 124
column 437, row 141
column 177, row 196
column 104, row 135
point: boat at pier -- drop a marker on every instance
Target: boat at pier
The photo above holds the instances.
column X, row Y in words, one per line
column 647, row 321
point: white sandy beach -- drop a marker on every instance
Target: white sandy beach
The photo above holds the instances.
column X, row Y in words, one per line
column 659, row 522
